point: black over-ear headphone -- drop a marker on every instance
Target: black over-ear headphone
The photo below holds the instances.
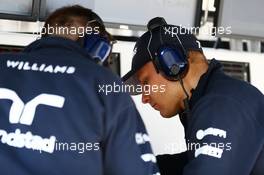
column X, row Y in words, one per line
column 98, row 46
column 169, row 59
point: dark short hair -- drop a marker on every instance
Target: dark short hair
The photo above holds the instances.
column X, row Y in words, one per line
column 66, row 16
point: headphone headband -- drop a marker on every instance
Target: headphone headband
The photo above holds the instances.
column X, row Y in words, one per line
column 156, row 22
column 167, row 57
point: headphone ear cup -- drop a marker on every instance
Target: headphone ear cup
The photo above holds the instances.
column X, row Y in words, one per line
column 97, row 47
column 175, row 69
column 172, row 63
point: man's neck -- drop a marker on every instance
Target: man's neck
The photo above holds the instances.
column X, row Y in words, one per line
column 191, row 80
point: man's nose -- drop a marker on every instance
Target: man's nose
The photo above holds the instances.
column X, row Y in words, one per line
column 145, row 98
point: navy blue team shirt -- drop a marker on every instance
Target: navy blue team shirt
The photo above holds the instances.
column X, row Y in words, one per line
column 55, row 117
column 224, row 129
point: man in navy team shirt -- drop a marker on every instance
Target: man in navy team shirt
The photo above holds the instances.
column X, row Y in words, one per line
column 53, row 118
column 223, row 117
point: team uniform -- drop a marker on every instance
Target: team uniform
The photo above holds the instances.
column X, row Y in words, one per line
column 224, row 129
column 223, row 119
column 55, row 117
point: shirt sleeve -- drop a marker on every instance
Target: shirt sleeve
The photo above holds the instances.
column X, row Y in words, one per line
column 172, row 164
column 222, row 138
column 127, row 149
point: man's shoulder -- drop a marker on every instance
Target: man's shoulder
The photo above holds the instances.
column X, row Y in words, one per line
column 55, row 64
column 224, row 107
column 223, row 86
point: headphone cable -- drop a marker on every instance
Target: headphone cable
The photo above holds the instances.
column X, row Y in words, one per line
column 186, row 100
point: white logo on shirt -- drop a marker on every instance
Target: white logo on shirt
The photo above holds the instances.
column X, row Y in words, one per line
column 210, row 131
column 143, row 138
column 24, row 114
column 209, row 151
column 26, row 66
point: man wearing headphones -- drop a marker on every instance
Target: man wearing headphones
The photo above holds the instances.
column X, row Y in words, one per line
column 56, row 119
column 222, row 117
